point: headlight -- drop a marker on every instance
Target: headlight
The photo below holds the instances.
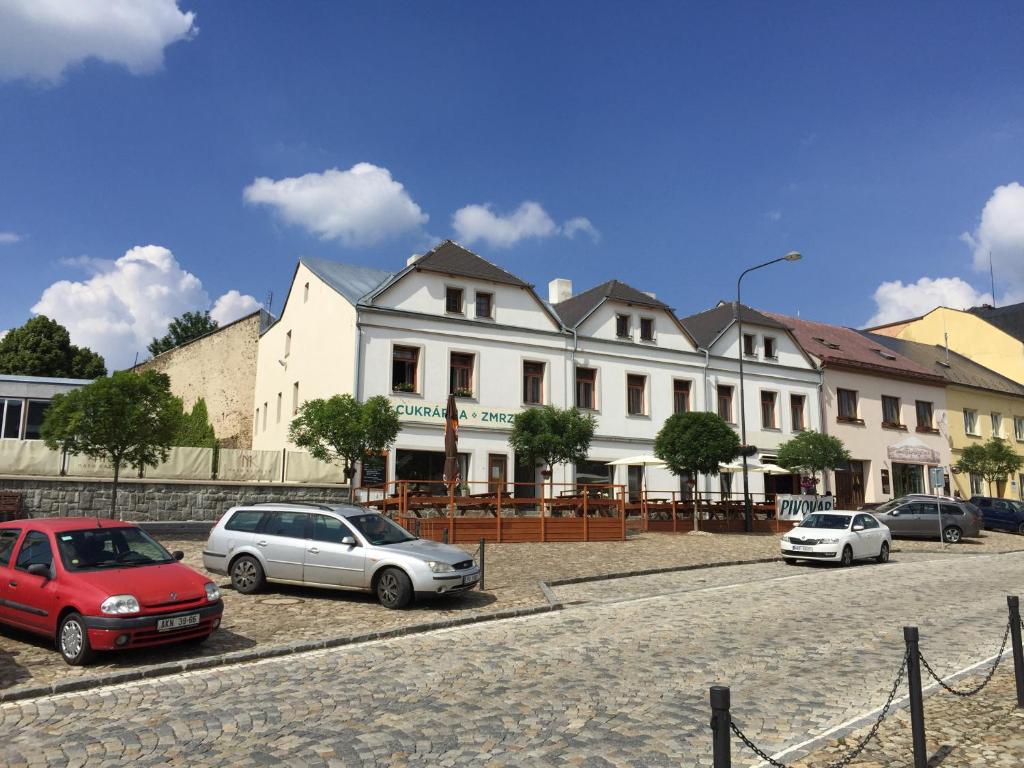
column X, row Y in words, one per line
column 212, row 593
column 832, row 540
column 785, row 538
column 120, row 604
column 440, row 567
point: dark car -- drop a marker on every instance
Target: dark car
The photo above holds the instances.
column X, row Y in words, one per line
column 1000, row 514
column 918, row 517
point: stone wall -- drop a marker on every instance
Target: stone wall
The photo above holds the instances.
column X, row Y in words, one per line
column 221, row 368
column 151, row 500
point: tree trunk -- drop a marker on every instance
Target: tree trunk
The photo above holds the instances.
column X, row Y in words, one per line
column 113, row 493
column 696, row 508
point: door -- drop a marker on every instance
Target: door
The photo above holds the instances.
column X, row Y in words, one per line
column 282, row 541
column 871, row 537
column 850, row 485
column 32, row 600
column 636, row 482
column 330, row 562
column 497, row 471
column 525, row 479
column 8, row 538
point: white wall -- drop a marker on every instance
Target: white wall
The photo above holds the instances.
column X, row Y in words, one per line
column 667, row 334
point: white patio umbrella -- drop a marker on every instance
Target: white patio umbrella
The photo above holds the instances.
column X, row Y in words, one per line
column 644, row 460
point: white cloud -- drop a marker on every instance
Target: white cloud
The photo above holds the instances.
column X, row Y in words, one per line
column 360, row 206
column 9, row 238
column 2, row 334
column 479, row 222
column 898, row 301
column 40, row 39
column 1001, row 234
column 775, row 215
column 233, row 305
column 125, row 303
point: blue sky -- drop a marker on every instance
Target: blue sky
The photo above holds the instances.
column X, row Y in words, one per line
column 677, row 143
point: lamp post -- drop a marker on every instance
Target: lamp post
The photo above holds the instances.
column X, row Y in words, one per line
column 748, row 513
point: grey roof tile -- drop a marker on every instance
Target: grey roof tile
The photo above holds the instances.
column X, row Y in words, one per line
column 450, row 258
column 351, row 281
column 706, row 326
column 574, row 309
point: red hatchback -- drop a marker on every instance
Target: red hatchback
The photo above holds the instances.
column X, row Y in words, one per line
column 110, row 586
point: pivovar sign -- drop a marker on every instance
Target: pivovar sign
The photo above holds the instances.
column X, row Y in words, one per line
column 791, row 507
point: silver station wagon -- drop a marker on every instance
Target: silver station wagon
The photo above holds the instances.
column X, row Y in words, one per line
column 338, row 547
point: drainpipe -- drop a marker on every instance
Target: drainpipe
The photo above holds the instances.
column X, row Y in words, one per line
column 572, row 372
column 357, row 385
column 707, row 364
column 824, row 421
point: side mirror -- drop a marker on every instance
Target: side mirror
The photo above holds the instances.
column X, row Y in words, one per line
column 38, row 569
column 894, row 513
column 858, row 527
column 349, row 541
column 177, row 554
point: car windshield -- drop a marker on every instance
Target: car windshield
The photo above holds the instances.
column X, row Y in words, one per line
column 97, row 548
column 832, row 522
column 888, row 506
column 378, row 530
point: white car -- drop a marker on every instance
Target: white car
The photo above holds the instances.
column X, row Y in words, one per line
column 837, row 536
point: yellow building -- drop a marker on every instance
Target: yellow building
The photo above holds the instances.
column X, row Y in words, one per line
column 990, row 336
column 980, row 404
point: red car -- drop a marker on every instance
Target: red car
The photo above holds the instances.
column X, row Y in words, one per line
column 100, row 585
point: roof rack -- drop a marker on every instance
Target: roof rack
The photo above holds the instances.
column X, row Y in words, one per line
column 310, row 504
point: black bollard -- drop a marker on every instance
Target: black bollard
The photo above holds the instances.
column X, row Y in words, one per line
column 720, row 722
column 1018, row 654
column 444, row 536
column 483, row 550
column 916, row 697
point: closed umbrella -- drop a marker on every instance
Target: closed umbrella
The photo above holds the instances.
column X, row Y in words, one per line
column 451, row 441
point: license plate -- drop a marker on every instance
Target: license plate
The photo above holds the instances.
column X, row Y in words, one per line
column 800, row 548
column 471, row 579
column 164, row 625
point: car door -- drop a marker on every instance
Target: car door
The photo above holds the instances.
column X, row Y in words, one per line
column 32, row 600
column 875, row 535
column 862, row 539
column 1000, row 513
column 927, row 519
column 328, row 561
column 8, row 538
column 282, row 541
column 902, row 520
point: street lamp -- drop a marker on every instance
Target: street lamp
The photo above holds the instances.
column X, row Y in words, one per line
column 748, row 514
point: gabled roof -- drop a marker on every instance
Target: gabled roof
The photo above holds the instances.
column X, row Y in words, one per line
column 1008, row 319
column 351, row 281
column 841, row 347
column 576, row 309
column 450, row 258
column 959, row 369
column 708, row 325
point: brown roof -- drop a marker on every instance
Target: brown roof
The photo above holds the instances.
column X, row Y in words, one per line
column 450, row 258
column 574, row 309
column 840, row 347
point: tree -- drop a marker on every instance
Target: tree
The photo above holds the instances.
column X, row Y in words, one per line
column 552, row 435
column 812, row 452
column 126, row 419
column 695, row 443
column 183, row 329
column 993, row 461
column 342, row 428
column 42, row 347
column 195, row 428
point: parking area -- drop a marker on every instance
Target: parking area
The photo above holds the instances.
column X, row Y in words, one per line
column 284, row 614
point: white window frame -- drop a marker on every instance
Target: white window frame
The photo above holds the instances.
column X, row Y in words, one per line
column 543, row 380
column 21, row 418
column 629, row 326
column 1018, row 428
column 295, row 398
column 280, row 397
column 803, row 413
column 287, row 343
column 474, row 372
column 775, row 410
column 420, row 354
column 997, row 424
column 476, row 294
column 597, row 388
column 645, row 411
column 654, row 330
column 973, row 417
column 462, row 300
column 764, row 345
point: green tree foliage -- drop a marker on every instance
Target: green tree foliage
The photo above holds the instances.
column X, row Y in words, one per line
column 342, row 428
column 195, row 428
column 812, row 452
column 695, row 443
column 183, row 329
column 128, row 419
column 993, row 461
column 42, row 347
column 552, row 435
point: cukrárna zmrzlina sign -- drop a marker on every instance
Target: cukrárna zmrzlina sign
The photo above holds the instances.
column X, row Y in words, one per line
column 469, row 415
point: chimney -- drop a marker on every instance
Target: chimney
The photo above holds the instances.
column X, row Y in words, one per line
column 559, row 290
column 652, row 294
column 412, row 260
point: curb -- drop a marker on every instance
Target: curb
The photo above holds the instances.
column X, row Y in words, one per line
column 653, row 572
column 257, row 654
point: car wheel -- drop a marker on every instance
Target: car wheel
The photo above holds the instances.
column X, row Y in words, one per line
column 1020, row 529
column 847, row 557
column 394, row 590
column 883, row 553
column 73, row 641
column 247, row 575
column 952, row 534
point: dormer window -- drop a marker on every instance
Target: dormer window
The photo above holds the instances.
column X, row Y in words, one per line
column 749, row 345
column 647, row 328
column 453, row 300
column 622, row 326
column 885, row 354
column 771, row 352
column 484, row 305
column 825, row 343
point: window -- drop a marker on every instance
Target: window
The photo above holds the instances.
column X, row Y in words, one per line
column 622, row 326
column 295, row 398
column 245, row 521
column 265, row 410
column 635, row 386
column 533, row 383
column 305, row 293
column 680, row 396
column 770, row 351
column 924, row 416
column 404, row 365
column 997, row 424
column 35, row 550
column 847, row 404
column 647, row 328
column 10, row 416
column 8, row 537
column 768, row 420
column 484, row 304
column 977, row 485
column 453, row 300
column 586, row 388
column 970, row 421
column 725, row 402
column 278, row 412
column 290, row 524
column 890, row 411
column 796, row 409
column 1018, row 427
column 749, row 345
column 34, row 419
column 460, row 379
column 329, row 529
column 287, row 343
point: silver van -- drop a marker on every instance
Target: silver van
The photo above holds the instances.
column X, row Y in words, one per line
column 341, row 546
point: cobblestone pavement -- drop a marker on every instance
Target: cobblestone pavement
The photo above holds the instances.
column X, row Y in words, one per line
column 286, row 614
column 620, row 683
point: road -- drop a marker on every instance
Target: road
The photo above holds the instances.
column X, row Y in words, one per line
column 618, row 678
